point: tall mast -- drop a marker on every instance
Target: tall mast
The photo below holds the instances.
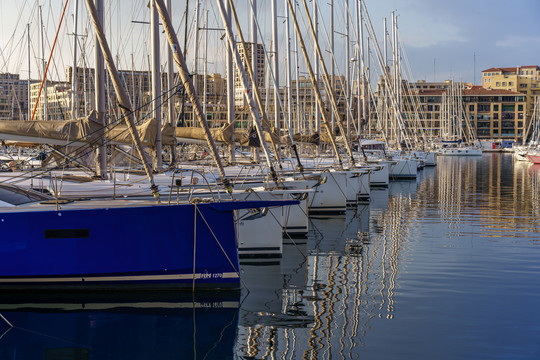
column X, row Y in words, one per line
column 230, row 88
column 254, row 64
column 288, row 59
column 195, row 56
column 361, row 76
column 170, row 79
column 205, row 64
column 367, row 87
column 156, row 82
column 317, row 109
column 332, row 66
column 348, row 70
column 29, row 74
column 171, row 95
column 45, row 117
column 123, row 100
column 297, row 70
column 74, row 104
column 100, row 96
column 277, row 112
column 385, row 71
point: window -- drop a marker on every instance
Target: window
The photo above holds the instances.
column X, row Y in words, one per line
column 520, row 107
column 495, row 107
column 471, row 107
column 522, row 85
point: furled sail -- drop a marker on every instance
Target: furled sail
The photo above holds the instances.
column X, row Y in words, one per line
column 76, row 132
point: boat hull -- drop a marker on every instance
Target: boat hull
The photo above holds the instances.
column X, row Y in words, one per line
column 460, row 152
column 183, row 245
column 535, row 159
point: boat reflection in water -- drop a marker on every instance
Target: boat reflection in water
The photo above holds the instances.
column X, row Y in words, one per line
column 119, row 326
column 320, row 305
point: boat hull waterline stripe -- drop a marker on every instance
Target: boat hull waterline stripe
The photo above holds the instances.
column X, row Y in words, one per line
column 198, row 276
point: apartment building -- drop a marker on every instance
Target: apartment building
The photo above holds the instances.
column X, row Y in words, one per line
column 13, row 97
column 247, row 55
column 522, row 79
column 494, row 114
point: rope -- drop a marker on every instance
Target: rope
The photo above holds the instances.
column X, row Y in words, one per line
column 194, row 246
column 286, row 233
column 339, row 187
column 49, row 61
column 221, row 247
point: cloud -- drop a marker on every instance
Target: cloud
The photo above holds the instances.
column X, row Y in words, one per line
column 514, row 41
column 438, row 34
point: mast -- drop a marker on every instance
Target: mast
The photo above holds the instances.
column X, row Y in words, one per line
column 289, row 81
column 190, row 89
column 361, row 78
column 317, row 109
column 195, row 57
column 29, row 74
column 123, row 99
column 367, row 87
column 385, row 71
column 297, row 71
column 45, row 117
column 205, row 64
column 348, row 70
column 230, row 88
column 74, row 105
column 332, row 66
column 277, row 113
column 170, row 79
column 156, row 83
column 100, row 97
column 254, row 65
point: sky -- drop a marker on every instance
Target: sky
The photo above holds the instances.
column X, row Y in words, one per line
column 441, row 39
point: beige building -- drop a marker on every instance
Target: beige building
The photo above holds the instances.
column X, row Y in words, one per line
column 522, row 79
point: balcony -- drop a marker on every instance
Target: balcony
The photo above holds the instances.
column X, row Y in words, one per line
column 483, row 125
column 508, row 116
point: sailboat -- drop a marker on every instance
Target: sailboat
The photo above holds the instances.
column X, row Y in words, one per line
column 456, row 126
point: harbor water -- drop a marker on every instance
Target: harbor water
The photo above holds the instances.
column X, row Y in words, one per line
column 443, row 267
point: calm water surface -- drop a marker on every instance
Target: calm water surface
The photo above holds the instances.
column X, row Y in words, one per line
column 445, row 267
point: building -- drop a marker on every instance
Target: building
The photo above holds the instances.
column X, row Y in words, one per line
column 239, row 99
column 493, row 114
column 522, row 79
column 136, row 83
column 13, row 97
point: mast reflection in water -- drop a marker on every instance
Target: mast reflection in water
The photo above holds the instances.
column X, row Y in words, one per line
column 442, row 267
